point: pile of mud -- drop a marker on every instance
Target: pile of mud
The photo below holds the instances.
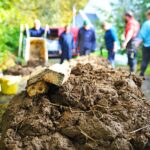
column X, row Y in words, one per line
column 19, row 70
column 94, row 60
column 27, row 69
column 24, row 70
column 96, row 109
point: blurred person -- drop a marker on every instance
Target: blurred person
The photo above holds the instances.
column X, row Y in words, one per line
column 144, row 36
column 66, row 42
column 132, row 28
column 111, row 42
column 86, row 40
column 37, row 30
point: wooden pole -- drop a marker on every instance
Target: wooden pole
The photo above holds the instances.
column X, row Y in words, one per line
column 20, row 40
column 45, row 38
column 26, row 54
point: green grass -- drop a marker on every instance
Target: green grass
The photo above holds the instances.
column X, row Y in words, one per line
column 139, row 68
column 148, row 70
column 104, row 53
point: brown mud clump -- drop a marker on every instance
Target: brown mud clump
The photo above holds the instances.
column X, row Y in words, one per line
column 98, row 108
column 25, row 69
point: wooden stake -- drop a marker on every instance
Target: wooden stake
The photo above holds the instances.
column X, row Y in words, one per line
column 20, row 40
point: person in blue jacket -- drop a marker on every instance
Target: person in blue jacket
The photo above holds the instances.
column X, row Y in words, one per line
column 66, row 42
column 86, row 40
column 144, row 36
column 37, row 30
column 111, row 42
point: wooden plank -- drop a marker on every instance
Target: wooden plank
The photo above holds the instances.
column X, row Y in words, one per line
column 37, row 88
column 49, row 76
column 38, row 84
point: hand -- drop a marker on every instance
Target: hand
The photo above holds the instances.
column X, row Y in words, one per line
column 74, row 51
column 60, row 52
column 47, row 27
column 22, row 27
column 137, row 43
column 124, row 45
column 27, row 26
column 115, row 49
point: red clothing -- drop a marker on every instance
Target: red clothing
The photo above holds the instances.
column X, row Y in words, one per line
column 133, row 25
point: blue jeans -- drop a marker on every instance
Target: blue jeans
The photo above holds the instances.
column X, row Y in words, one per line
column 132, row 60
column 145, row 59
column 111, row 58
column 131, row 53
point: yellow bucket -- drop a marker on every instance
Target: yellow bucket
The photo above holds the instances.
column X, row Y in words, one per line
column 9, row 84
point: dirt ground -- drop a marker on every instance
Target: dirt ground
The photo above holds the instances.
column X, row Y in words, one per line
column 146, row 87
